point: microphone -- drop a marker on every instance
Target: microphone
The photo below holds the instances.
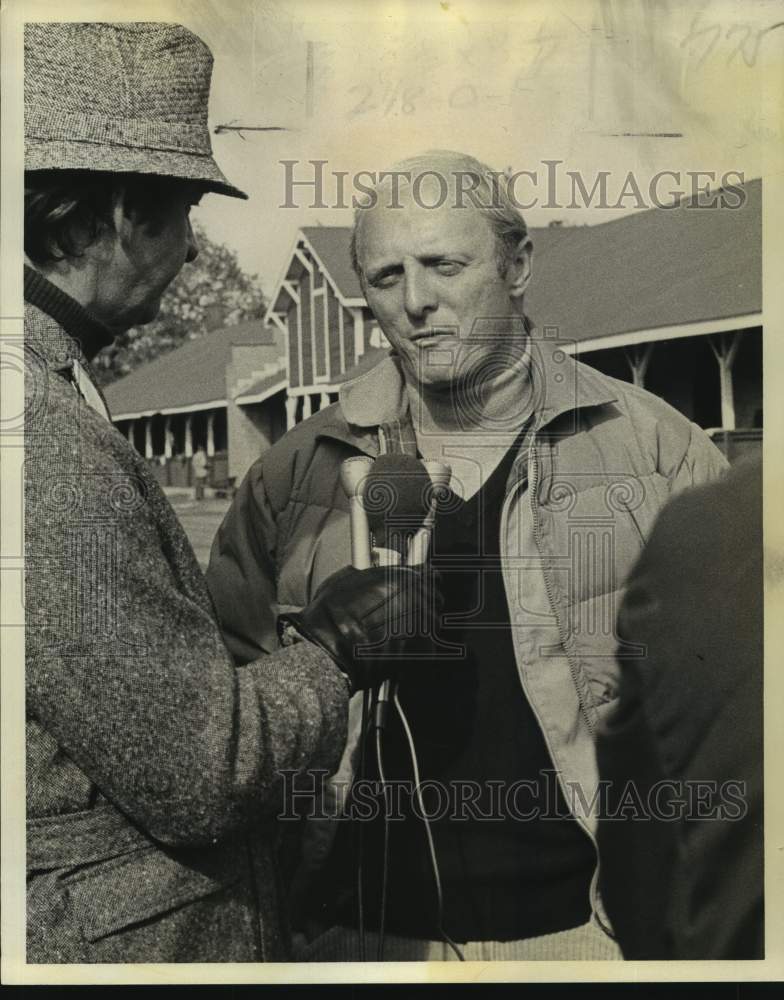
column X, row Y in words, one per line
column 440, row 476
column 400, row 499
column 353, row 476
column 396, row 498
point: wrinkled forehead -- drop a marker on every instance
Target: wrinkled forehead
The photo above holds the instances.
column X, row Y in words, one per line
column 430, row 213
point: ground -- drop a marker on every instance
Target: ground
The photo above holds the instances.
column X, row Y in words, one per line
column 200, row 520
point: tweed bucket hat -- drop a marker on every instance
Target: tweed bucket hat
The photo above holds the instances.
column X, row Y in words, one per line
column 120, row 97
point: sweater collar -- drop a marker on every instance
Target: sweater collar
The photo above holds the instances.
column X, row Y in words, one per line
column 560, row 385
column 77, row 322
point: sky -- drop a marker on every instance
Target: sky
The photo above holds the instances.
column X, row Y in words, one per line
column 599, row 85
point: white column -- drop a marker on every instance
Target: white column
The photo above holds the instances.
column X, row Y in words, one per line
column 167, row 437
column 327, row 333
column 129, row 432
column 211, row 433
column 300, row 348
column 638, row 358
column 291, row 411
column 725, row 348
column 359, row 334
column 307, row 406
column 188, row 435
column 342, row 333
column 314, row 294
column 148, row 437
column 324, row 400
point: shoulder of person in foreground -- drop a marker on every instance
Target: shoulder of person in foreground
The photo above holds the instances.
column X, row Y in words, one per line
column 690, row 712
column 126, row 666
column 697, row 588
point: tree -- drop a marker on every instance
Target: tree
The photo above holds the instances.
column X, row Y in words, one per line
column 210, row 293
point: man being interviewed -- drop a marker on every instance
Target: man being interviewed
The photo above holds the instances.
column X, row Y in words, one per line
column 558, row 473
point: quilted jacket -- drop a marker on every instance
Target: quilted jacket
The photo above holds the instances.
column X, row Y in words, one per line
column 601, row 459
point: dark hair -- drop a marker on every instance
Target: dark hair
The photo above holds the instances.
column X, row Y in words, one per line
column 65, row 210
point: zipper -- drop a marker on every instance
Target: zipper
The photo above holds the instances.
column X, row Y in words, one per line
column 573, row 668
column 533, row 487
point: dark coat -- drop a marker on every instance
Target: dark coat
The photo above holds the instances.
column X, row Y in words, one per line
column 687, row 883
column 152, row 761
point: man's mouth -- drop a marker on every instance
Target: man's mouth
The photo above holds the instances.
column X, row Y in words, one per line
column 427, row 337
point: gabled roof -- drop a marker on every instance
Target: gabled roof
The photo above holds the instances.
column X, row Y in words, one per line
column 333, row 246
column 191, row 377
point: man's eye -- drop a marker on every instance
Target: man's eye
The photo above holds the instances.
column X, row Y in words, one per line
column 448, row 267
column 385, row 280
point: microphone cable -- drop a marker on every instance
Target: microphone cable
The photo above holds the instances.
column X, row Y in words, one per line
column 431, row 846
column 361, row 844
column 385, row 857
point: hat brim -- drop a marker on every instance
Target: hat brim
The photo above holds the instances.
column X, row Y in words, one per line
column 65, row 155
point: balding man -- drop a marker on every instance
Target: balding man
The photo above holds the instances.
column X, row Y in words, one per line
column 558, row 473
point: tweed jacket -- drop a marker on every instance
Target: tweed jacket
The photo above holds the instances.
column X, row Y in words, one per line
column 152, row 761
column 600, row 460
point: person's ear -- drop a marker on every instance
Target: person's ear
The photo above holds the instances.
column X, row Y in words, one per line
column 111, row 231
column 520, row 268
column 122, row 218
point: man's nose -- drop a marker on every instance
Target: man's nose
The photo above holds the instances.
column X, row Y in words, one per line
column 420, row 293
column 192, row 251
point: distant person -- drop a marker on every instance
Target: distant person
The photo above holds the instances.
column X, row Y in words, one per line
column 200, row 466
column 152, row 762
column 687, row 881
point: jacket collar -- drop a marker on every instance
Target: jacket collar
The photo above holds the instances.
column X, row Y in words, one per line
column 78, row 322
column 50, row 341
column 561, row 385
column 61, row 353
column 377, row 396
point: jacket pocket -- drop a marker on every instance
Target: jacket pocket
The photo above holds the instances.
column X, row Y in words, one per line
column 113, row 895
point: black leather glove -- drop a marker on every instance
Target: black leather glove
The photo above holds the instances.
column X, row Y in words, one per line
column 375, row 623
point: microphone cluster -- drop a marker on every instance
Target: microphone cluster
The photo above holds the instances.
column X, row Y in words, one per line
column 392, row 501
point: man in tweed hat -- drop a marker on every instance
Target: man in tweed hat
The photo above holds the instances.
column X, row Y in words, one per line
column 152, row 762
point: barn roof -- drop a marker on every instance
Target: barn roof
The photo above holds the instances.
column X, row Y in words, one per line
column 191, row 376
column 333, row 246
column 653, row 269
